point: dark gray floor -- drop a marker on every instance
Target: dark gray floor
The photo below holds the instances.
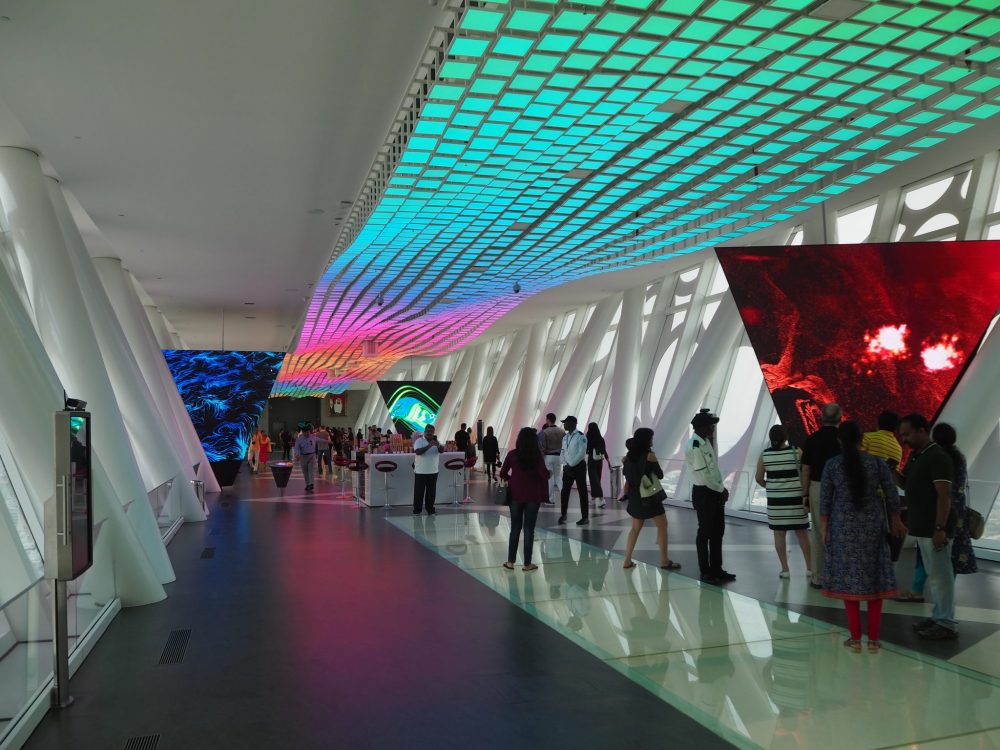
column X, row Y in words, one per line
column 319, row 626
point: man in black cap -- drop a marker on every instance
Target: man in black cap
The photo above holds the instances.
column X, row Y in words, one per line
column 574, row 460
column 709, row 497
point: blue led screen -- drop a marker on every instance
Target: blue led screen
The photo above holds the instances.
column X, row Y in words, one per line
column 225, row 394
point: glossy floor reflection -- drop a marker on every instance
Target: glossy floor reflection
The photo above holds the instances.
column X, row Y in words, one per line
column 755, row 673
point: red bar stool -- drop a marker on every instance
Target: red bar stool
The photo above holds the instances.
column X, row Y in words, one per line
column 469, row 463
column 386, row 467
column 357, row 468
column 457, row 468
column 341, row 463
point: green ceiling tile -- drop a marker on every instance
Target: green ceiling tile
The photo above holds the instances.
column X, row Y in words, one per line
column 636, row 46
column 777, row 98
column 876, row 13
column 863, row 96
column 527, row 20
column 476, row 19
column 924, row 117
column 682, row 7
column 638, row 4
column 919, row 39
column 659, row 26
column 886, row 59
column 753, row 54
column 487, row 86
column 460, row 70
column 917, row 16
column 726, row 10
column 678, row 49
column 595, row 42
column 619, row 23
column 952, row 46
column 956, row 126
column 790, row 63
column 513, row 46
column 950, row 75
column 954, row 20
column 433, row 109
column 845, row 30
column 716, row 52
column 730, row 69
column 739, row 37
column 468, row 47
column 806, row 26
column 693, row 68
column 580, row 61
column 557, row 42
column 622, row 62
column 824, row 69
column 983, row 84
column 897, row 131
column 890, row 82
column 920, row 92
column 703, row 31
column 953, row 103
column 778, row 42
column 881, row 35
column 766, row 18
column 869, row 121
column 985, row 55
column 658, row 65
column 447, row 93
column 574, row 20
column 495, row 67
column 894, row 105
column 989, row 5
column 983, row 111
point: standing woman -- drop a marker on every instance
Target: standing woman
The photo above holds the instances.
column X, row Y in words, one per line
column 263, row 450
column 524, row 468
column 963, row 558
column 597, row 454
column 491, row 452
column 640, row 461
column 778, row 472
column 858, row 565
column 253, row 455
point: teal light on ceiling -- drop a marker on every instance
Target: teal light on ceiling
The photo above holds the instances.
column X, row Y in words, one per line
column 559, row 140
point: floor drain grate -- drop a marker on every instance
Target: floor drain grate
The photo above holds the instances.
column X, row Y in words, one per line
column 177, row 643
column 208, row 553
column 145, row 742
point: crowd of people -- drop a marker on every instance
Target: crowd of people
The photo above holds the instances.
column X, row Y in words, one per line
column 839, row 494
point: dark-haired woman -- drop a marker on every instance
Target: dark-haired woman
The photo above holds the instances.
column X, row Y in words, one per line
column 639, row 462
column 524, row 469
column 778, row 472
column 963, row 558
column 597, row 454
column 858, row 564
column 491, row 452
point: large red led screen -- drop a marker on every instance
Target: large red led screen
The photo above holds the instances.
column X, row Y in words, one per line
column 871, row 327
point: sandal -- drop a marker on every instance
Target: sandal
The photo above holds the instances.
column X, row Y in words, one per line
column 671, row 565
column 874, row 647
column 627, row 566
column 854, row 645
column 508, row 566
column 529, row 567
column 910, row 596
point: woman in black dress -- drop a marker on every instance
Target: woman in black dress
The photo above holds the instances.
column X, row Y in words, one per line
column 491, row 452
column 640, row 461
column 597, row 454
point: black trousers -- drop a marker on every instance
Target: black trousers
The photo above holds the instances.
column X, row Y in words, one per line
column 286, row 452
column 424, row 491
column 576, row 474
column 594, row 470
column 522, row 515
column 491, row 465
column 711, row 510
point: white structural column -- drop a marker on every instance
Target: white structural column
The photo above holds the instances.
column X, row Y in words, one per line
column 505, row 375
column 974, row 408
column 117, row 283
column 625, row 376
column 446, row 416
column 68, row 338
column 156, row 453
column 526, row 400
column 469, row 411
column 715, row 350
column 31, row 391
column 163, row 338
column 368, row 407
column 568, row 392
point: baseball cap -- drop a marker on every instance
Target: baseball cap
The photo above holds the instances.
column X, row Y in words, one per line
column 569, row 419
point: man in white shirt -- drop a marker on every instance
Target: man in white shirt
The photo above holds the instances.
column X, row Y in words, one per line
column 550, row 441
column 573, row 456
column 305, row 451
column 709, row 497
column 427, row 456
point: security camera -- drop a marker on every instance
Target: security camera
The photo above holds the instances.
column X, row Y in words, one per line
column 380, row 299
column 517, row 288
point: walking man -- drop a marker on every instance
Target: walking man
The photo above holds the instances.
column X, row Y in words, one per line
column 709, row 497
column 573, row 456
column 427, row 457
column 819, row 448
column 550, row 440
column 305, row 450
column 927, row 479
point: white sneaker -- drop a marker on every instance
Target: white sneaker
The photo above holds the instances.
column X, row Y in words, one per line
column 601, row 503
column 784, row 575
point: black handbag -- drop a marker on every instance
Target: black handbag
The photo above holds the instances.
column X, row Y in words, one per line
column 508, row 496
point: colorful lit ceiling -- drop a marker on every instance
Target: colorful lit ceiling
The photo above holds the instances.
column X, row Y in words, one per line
column 543, row 141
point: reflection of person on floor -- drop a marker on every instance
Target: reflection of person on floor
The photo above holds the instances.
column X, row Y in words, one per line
column 713, row 666
column 556, row 552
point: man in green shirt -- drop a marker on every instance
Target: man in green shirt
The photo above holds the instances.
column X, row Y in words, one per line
column 927, row 479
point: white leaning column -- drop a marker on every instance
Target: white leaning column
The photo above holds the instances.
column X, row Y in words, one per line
column 568, row 392
column 531, row 379
column 125, row 301
column 66, row 333
column 625, row 377
column 149, row 431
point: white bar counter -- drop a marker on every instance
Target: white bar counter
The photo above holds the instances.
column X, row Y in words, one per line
column 401, row 480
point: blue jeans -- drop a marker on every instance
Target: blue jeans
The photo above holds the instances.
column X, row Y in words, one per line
column 941, row 575
column 522, row 515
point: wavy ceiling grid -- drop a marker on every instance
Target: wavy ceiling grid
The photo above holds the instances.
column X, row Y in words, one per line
column 547, row 141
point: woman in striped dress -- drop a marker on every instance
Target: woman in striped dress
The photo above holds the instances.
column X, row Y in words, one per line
column 778, row 473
